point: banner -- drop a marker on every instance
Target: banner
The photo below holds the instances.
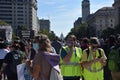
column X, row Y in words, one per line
column 23, row 72
column 20, row 71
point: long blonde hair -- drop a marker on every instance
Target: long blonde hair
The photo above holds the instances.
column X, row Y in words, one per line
column 44, row 43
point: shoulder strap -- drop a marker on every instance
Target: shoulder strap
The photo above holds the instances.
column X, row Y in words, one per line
column 88, row 52
column 118, row 51
column 78, row 51
column 100, row 55
column 63, row 52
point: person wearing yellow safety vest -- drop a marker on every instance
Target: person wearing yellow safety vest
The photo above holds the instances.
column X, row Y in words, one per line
column 93, row 60
column 70, row 57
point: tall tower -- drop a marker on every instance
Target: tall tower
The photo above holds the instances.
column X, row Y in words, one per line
column 116, row 5
column 85, row 9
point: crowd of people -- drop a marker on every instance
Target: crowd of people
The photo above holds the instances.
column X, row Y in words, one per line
column 85, row 59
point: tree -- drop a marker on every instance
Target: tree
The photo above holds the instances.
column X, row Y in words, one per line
column 81, row 31
column 50, row 34
column 107, row 32
column 90, row 32
column 117, row 29
column 22, row 27
column 3, row 22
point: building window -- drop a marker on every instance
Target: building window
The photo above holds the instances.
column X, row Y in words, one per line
column 100, row 25
column 5, row 11
column 20, row 11
column 8, row 0
column 100, row 20
column 5, row 4
column 21, row 15
column 5, row 7
column 19, row 7
column 20, row 19
column 20, row 0
column 111, row 25
column 5, row 14
column 20, row 4
column 20, row 22
column 111, row 20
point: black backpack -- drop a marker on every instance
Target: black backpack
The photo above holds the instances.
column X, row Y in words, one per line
column 16, row 59
column 88, row 52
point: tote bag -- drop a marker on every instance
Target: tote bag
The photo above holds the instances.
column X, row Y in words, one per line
column 23, row 72
column 20, row 71
column 55, row 75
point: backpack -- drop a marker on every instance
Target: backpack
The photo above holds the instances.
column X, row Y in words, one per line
column 55, row 75
column 114, row 59
column 16, row 59
column 88, row 52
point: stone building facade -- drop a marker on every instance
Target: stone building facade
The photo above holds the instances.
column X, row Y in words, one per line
column 19, row 13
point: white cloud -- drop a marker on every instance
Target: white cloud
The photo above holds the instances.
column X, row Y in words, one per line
column 61, row 8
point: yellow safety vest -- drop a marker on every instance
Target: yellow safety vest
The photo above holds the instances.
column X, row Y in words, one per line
column 73, row 67
column 95, row 71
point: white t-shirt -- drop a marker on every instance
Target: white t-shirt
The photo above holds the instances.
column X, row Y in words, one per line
column 3, row 53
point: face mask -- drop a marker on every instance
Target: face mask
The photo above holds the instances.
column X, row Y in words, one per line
column 94, row 48
column 70, row 43
column 36, row 46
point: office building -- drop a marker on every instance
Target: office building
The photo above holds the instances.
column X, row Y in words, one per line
column 44, row 24
column 19, row 13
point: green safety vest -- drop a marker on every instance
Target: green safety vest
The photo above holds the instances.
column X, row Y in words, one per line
column 95, row 71
column 73, row 67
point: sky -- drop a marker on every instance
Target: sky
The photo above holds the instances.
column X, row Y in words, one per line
column 63, row 13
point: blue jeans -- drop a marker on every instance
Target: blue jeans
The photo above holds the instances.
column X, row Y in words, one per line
column 27, row 74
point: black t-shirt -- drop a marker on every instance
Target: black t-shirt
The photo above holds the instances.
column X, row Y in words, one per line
column 9, row 61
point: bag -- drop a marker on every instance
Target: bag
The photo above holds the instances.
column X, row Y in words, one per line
column 20, row 71
column 55, row 75
column 88, row 52
column 16, row 59
column 114, row 59
column 23, row 72
column 27, row 74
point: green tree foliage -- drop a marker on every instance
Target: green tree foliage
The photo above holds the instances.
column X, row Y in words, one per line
column 107, row 32
column 14, row 37
column 110, row 31
column 22, row 27
column 91, row 31
column 83, row 30
column 3, row 22
column 50, row 34
column 117, row 29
